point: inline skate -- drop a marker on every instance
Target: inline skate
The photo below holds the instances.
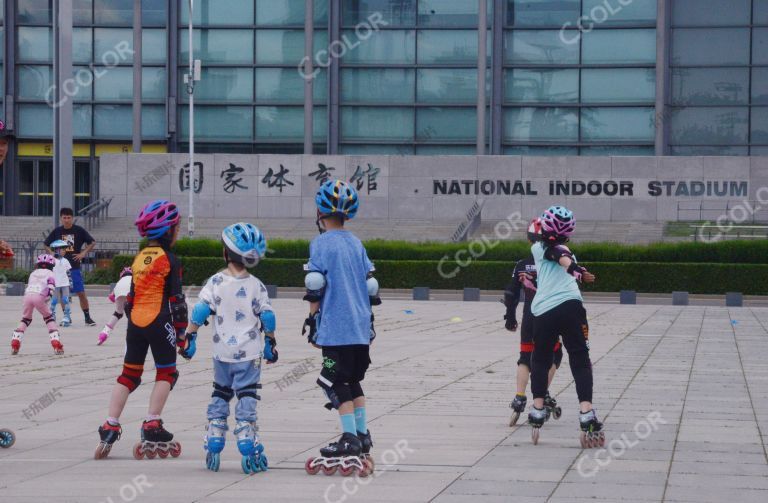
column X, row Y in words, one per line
column 16, row 342
column 537, row 418
column 7, row 438
column 254, row 460
column 367, row 443
column 214, row 443
column 156, row 441
column 109, row 433
column 344, row 455
column 551, row 405
column 58, row 347
column 517, row 406
column 592, row 434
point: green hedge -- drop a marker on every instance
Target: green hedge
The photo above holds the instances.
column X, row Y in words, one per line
column 750, row 279
column 726, row 252
column 97, row 277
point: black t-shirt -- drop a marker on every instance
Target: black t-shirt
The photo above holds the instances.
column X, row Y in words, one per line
column 76, row 236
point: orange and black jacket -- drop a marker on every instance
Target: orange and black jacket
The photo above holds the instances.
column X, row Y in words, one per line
column 156, row 280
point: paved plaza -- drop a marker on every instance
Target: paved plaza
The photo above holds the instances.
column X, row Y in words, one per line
column 683, row 392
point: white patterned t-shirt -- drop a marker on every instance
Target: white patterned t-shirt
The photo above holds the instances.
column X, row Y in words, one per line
column 235, row 307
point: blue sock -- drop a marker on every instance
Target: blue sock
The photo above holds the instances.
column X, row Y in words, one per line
column 348, row 423
column 361, row 420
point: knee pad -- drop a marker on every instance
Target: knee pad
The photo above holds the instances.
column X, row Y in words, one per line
column 200, row 313
column 65, row 300
column 49, row 319
column 26, row 321
column 249, row 391
column 168, row 374
column 117, row 315
column 223, row 392
column 131, row 376
column 558, row 355
column 356, row 390
column 525, row 359
column 343, row 392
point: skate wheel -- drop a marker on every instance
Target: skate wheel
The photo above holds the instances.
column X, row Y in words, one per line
column 328, row 470
column 102, row 451
column 535, row 435
column 371, row 464
column 346, row 471
column 150, row 454
column 7, row 438
column 310, row 467
column 138, row 452
column 245, row 464
column 513, row 419
column 212, row 461
column 557, row 412
column 601, row 439
column 263, row 463
column 162, row 453
column 175, row 450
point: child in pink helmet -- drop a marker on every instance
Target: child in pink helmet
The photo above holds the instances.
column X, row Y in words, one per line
column 39, row 290
column 118, row 297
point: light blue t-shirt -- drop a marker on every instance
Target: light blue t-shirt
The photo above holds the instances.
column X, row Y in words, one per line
column 345, row 310
column 554, row 284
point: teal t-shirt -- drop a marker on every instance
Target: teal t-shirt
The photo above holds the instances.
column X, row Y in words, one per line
column 555, row 285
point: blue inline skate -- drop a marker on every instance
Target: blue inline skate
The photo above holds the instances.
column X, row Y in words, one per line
column 214, row 443
column 7, row 438
column 254, row 460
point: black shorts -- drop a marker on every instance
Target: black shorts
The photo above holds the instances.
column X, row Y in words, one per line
column 158, row 335
column 345, row 364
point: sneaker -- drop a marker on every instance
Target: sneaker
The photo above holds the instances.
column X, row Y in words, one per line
column 89, row 321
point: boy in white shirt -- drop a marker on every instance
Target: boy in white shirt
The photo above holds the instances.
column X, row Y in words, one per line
column 241, row 310
column 63, row 280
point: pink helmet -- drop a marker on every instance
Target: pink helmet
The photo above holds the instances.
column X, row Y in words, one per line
column 557, row 224
column 126, row 272
column 46, row 259
column 157, row 218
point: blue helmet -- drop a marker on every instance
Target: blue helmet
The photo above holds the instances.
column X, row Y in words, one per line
column 244, row 243
column 336, row 197
column 59, row 243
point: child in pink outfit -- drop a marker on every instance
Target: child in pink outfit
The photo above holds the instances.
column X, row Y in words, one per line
column 40, row 287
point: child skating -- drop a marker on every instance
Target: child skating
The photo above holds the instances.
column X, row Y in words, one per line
column 63, row 277
column 524, row 279
column 118, row 297
column 40, row 287
column 241, row 310
column 558, row 309
column 157, row 320
column 340, row 289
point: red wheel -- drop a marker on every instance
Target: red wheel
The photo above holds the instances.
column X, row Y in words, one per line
column 346, row 471
column 328, row 470
column 163, row 453
column 371, row 464
column 138, row 453
column 150, row 454
column 175, row 450
column 309, row 468
column 102, row 451
column 583, row 440
column 601, row 440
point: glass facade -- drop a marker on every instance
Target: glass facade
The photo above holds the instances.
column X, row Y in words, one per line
column 719, row 71
column 564, row 77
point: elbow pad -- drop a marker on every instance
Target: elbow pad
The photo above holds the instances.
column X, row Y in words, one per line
column 268, row 322
column 315, row 283
column 200, row 313
column 576, row 270
column 179, row 313
column 373, row 291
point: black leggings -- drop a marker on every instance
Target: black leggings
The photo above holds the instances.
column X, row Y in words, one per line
column 569, row 319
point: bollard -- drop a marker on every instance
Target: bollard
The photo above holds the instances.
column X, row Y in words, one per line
column 679, row 298
column 734, row 299
column 272, row 291
column 421, row 293
column 627, row 297
column 14, row 289
column 471, row 294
